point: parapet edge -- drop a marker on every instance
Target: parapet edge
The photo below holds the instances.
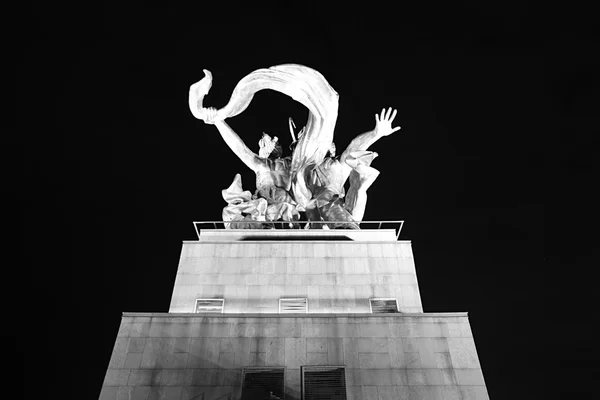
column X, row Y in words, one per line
column 277, row 315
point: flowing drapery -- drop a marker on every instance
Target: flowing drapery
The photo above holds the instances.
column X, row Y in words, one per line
column 308, row 87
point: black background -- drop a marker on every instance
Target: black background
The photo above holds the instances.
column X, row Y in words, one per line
column 496, row 103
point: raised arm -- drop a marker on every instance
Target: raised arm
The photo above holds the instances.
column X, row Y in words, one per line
column 383, row 127
column 233, row 140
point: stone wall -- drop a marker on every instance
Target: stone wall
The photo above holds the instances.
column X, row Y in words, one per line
column 335, row 276
column 386, row 356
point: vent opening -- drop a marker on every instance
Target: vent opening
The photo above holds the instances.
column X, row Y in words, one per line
column 293, row 306
column 323, row 383
column 384, row 306
column 263, row 384
column 209, row 305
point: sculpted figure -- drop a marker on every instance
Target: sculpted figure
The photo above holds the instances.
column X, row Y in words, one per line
column 273, row 178
column 308, row 180
column 326, row 179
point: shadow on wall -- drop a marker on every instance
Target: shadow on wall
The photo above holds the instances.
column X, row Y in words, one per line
column 202, row 380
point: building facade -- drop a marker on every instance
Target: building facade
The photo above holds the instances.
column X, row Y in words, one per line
column 295, row 314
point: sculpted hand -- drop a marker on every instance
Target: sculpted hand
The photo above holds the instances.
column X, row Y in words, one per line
column 197, row 92
column 210, row 115
column 383, row 123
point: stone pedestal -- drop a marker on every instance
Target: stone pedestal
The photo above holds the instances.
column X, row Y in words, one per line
column 405, row 355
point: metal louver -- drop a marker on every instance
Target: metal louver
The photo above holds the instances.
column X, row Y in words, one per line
column 263, row 384
column 209, row 305
column 384, row 306
column 323, row 383
column 293, row 306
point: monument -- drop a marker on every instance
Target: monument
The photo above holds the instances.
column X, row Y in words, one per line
column 294, row 295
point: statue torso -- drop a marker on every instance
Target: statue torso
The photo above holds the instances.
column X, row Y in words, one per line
column 274, row 173
column 328, row 175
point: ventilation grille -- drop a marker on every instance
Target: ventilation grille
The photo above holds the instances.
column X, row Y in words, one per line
column 293, row 306
column 323, row 383
column 384, row 306
column 263, row 384
column 209, row 305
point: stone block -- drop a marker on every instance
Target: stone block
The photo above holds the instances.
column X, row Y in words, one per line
column 140, row 393
column 124, row 393
column 465, row 329
column 374, row 250
column 317, row 359
column 204, row 377
column 318, row 330
column 176, row 377
column 451, row 329
column 292, row 377
column 119, row 353
column 442, row 360
column 108, row 393
column 295, row 352
column 440, row 345
column 426, row 353
column 375, row 330
column 410, row 345
column 463, row 353
column 335, row 351
column 426, row 392
column 124, row 329
column 451, row 393
column 226, row 360
column 403, row 330
column 473, row 392
column 354, row 392
column 449, row 376
column 374, row 360
column 415, row 377
column 172, row 360
column 293, row 392
column 166, row 393
column 133, row 360
column 316, row 345
column 144, row 377
column 369, row 393
column 351, row 359
column 353, row 377
column 412, row 360
column 116, row 377
column 204, row 357
column 373, row 345
column 386, row 393
column 434, row 376
column 136, row 345
column 396, row 352
column 481, row 393
column 346, row 330
column 469, row 377
column 276, row 352
column 361, row 267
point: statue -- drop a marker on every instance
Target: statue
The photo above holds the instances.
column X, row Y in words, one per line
column 308, row 180
column 273, row 178
column 327, row 179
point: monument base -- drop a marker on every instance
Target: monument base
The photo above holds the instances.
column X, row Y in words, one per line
column 384, row 356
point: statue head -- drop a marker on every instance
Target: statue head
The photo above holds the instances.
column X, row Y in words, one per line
column 269, row 148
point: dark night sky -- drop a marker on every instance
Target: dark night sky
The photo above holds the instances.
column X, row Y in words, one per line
column 495, row 103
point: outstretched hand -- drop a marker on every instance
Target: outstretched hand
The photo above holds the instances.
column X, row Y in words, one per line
column 383, row 122
column 197, row 92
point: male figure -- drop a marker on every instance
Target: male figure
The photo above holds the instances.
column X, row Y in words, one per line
column 326, row 180
column 273, row 178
